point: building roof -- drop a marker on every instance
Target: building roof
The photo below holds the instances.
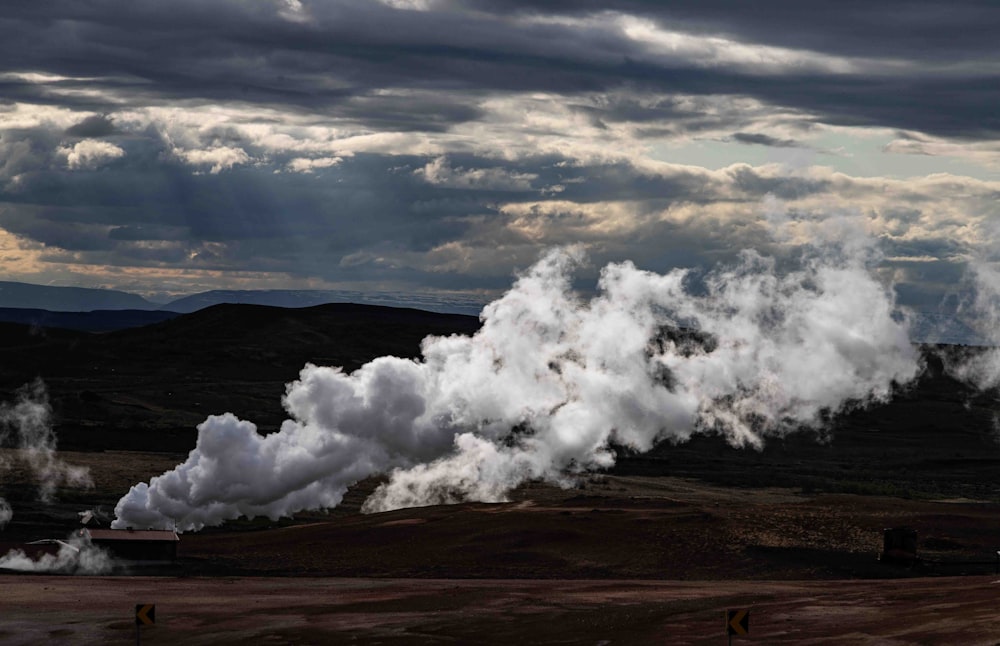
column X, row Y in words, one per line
column 131, row 534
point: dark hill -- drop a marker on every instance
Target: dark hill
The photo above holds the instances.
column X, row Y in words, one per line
column 273, row 340
column 936, row 439
column 149, row 387
column 275, row 298
column 92, row 321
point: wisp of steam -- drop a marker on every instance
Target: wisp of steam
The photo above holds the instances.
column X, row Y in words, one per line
column 550, row 384
column 26, row 427
column 75, row 555
column 980, row 368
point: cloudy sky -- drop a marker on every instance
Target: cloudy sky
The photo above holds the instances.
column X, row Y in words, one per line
column 436, row 146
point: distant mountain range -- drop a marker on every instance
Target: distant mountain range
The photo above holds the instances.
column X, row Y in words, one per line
column 82, row 299
column 103, row 310
column 445, row 304
column 68, row 299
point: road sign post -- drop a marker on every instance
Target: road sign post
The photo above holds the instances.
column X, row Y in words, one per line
column 737, row 623
column 145, row 615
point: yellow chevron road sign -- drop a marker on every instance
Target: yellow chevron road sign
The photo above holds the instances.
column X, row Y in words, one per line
column 738, row 622
column 145, row 614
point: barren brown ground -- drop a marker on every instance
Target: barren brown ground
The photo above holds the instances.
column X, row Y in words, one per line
column 45, row 610
column 621, row 560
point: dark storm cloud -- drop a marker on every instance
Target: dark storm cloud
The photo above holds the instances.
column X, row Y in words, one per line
column 921, row 30
column 957, row 106
column 662, row 116
column 147, row 207
column 267, row 220
column 923, row 248
column 24, row 150
column 55, row 228
column 929, row 285
column 98, row 125
column 341, row 54
column 758, row 139
column 756, row 185
column 355, row 141
column 402, row 113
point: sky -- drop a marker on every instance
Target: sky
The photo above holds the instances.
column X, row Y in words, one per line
column 437, row 147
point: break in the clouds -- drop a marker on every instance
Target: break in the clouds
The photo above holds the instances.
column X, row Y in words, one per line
column 434, row 146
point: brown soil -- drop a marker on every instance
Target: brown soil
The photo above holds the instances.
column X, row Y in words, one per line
column 621, row 560
column 45, row 610
column 617, row 527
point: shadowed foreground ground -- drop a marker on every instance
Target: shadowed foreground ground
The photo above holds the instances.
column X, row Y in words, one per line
column 44, row 610
column 620, row 560
column 625, row 560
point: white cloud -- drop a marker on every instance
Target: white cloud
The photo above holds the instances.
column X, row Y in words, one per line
column 292, row 10
column 410, row 5
column 717, row 51
column 220, row 157
column 34, row 77
column 440, row 173
column 307, row 165
column 90, row 154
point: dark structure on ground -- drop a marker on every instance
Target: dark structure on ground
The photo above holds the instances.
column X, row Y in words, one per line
column 135, row 545
column 899, row 545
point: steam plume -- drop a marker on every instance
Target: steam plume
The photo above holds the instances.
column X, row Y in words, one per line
column 549, row 384
column 76, row 555
column 981, row 368
column 26, row 425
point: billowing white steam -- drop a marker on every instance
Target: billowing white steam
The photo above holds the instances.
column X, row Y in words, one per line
column 981, row 368
column 76, row 555
column 26, row 426
column 549, row 384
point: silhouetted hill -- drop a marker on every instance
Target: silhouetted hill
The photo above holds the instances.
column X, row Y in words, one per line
column 15, row 295
column 148, row 387
column 273, row 298
column 935, row 439
column 68, row 299
column 93, row 321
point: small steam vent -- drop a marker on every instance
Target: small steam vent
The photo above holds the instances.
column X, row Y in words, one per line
column 899, row 545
